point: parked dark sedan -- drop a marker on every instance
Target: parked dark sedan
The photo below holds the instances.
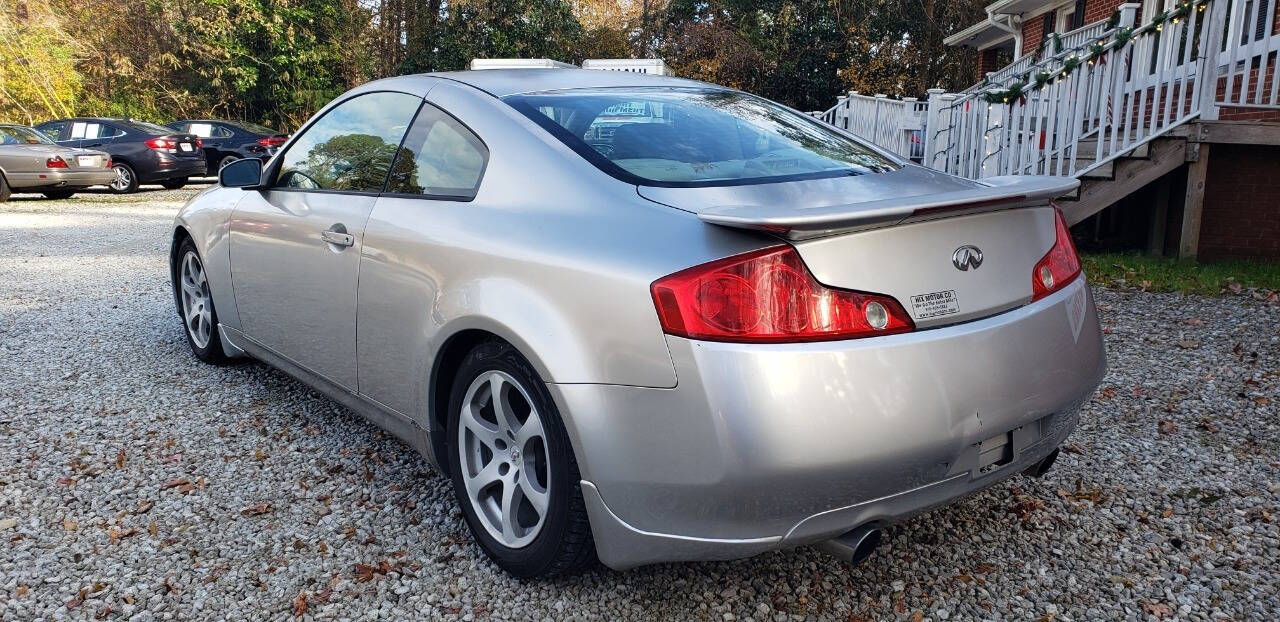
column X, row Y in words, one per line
column 141, row 152
column 228, row 141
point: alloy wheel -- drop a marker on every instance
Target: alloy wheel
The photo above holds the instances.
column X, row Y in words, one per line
column 503, row 451
column 124, row 178
column 197, row 310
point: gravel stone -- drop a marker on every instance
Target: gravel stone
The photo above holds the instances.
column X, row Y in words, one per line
column 131, row 478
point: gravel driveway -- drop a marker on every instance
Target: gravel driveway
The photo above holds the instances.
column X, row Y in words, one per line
column 136, row 483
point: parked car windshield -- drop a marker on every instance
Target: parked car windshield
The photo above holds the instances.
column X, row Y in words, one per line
column 696, row 137
column 18, row 135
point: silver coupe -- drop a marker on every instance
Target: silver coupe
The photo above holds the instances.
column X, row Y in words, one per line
column 30, row 162
column 648, row 319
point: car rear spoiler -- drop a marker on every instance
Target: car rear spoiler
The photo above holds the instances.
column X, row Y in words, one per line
column 992, row 194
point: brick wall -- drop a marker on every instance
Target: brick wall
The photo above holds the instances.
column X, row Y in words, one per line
column 1032, row 33
column 1252, row 94
column 988, row 61
column 1099, row 10
column 1241, row 215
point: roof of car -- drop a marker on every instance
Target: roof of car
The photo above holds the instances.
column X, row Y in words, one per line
column 503, row 82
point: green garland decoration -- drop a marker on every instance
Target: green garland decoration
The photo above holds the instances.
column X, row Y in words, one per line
column 1018, row 90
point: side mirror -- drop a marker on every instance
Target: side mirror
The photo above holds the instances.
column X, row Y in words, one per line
column 243, row 173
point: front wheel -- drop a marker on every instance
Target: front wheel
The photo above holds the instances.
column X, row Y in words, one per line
column 4, row 189
column 195, row 305
column 226, row 160
column 126, row 180
column 513, row 468
column 174, row 184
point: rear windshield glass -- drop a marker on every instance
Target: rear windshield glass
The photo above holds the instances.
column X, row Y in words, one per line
column 696, row 137
column 254, row 128
column 151, row 128
column 18, row 135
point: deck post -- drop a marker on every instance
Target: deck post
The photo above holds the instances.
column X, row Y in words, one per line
column 1207, row 72
column 936, row 123
column 1193, row 207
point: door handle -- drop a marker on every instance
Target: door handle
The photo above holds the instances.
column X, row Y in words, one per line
column 338, row 238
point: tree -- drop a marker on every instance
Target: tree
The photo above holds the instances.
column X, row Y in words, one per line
column 495, row 29
column 38, row 77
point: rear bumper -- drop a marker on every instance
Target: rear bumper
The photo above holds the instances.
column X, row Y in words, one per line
column 60, row 178
column 765, row 447
column 171, row 168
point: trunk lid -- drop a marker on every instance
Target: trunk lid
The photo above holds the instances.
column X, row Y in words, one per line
column 949, row 249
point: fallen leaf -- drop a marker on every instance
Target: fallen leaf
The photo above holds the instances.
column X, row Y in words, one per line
column 257, row 509
column 1159, row 610
column 116, row 535
column 1167, row 512
column 70, row 525
column 259, row 455
column 79, row 599
column 1234, row 287
column 120, row 459
column 1168, row 427
column 65, row 481
column 917, row 616
column 175, row 483
column 145, row 506
column 300, row 604
column 1188, row 344
column 8, row 523
column 152, row 528
column 1262, row 400
column 22, row 591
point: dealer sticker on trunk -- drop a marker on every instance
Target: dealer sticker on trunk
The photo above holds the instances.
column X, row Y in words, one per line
column 936, row 304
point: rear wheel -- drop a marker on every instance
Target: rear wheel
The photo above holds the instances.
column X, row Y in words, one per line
column 58, row 194
column 174, row 184
column 126, row 180
column 4, row 189
column 226, row 160
column 513, row 468
column 195, row 305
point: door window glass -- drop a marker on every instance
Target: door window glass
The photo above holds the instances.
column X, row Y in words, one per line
column 440, row 157
column 351, row 147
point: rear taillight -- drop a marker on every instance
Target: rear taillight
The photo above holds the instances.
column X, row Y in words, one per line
column 199, row 143
column 161, row 143
column 768, row 296
column 55, row 162
column 271, row 141
column 1060, row 266
column 109, row 163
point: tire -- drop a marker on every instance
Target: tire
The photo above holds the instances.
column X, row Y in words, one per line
column 225, row 161
column 58, row 195
column 193, row 300
column 4, row 189
column 174, row 184
column 557, row 541
column 126, row 181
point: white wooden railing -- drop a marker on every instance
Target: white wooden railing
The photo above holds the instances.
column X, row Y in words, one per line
column 893, row 124
column 1084, row 109
column 1073, row 42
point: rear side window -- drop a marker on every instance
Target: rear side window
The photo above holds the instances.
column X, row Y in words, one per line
column 351, row 147
column 206, row 130
column 685, row 137
column 53, row 130
column 92, row 129
column 439, row 158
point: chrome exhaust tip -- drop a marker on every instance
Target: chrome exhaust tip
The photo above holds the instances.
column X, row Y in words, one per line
column 853, row 547
column 1040, row 468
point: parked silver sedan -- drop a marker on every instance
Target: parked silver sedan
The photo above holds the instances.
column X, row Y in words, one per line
column 30, row 162
column 648, row 319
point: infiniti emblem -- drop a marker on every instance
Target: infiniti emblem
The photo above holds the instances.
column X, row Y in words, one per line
column 966, row 257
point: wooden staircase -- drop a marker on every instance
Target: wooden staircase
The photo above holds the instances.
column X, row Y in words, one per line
column 1121, row 177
